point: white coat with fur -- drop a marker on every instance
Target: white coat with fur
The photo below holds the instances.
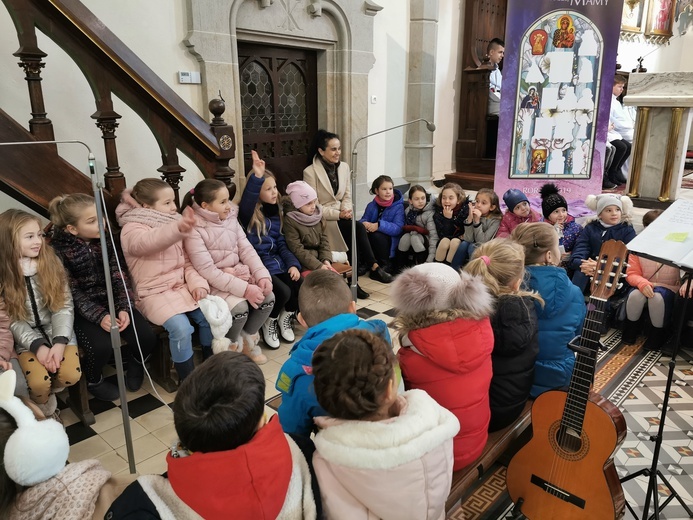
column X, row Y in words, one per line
column 399, row 468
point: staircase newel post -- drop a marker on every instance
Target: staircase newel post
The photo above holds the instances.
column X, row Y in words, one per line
column 107, row 122
column 226, row 140
column 31, row 60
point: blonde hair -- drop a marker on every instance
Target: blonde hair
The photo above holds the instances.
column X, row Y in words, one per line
column 537, row 238
column 257, row 222
column 461, row 195
column 145, row 191
column 502, row 267
column 50, row 271
column 65, row 210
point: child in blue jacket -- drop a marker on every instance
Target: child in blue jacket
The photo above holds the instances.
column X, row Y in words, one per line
column 384, row 219
column 327, row 309
column 612, row 222
column 260, row 216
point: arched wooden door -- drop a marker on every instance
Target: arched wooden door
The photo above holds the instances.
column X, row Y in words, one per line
column 279, row 107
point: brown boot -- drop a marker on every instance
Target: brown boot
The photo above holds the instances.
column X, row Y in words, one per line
column 251, row 347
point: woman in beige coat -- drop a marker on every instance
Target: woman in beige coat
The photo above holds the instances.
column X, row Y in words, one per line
column 330, row 179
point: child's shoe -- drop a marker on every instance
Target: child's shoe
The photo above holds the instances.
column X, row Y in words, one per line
column 134, row 376
column 184, row 369
column 631, row 331
column 251, row 347
column 103, row 390
column 270, row 333
column 286, row 326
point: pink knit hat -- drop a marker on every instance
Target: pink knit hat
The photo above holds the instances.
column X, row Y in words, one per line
column 301, row 193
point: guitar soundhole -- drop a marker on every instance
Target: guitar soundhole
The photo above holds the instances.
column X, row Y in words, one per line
column 568, row 443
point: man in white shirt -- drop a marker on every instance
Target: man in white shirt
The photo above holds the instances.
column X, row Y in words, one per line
column 495, row 52
column 621, row 128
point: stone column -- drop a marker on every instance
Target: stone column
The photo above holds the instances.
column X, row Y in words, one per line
column 423, row 31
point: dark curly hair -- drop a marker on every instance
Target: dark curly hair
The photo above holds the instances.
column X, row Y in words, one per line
column 352, row 371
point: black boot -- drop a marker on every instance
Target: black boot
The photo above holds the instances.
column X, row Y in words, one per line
column 207, row 352
column 631, row 331
column 103, row 390
column 134, row 376
column 184, row 369
column 655, row 340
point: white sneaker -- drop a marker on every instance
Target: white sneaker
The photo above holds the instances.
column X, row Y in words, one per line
column 270, row 333
column 286, row 326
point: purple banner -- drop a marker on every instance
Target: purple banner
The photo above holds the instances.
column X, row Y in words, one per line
column 560, row 60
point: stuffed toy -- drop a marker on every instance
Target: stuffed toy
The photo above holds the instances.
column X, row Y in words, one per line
column 218, row 315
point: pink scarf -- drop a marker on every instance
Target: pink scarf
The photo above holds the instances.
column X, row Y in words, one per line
column 384, row 203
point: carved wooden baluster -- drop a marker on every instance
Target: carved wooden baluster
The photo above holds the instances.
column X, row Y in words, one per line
column 107, row 122
column 170, row 170
column 227, row 145
column 31, row 60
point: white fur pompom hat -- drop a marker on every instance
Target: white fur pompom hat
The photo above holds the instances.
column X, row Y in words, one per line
column 434, row 287
column 37, row 450
column 597, row 203
column 218, row 315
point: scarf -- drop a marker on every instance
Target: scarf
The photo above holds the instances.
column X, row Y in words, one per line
column 306, row 220
column 148, row 217
column 270, row 210
column 410, row 217
column 331, row 171
column 384, row 203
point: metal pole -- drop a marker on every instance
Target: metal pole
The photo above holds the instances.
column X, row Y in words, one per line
column 115, row 334
column 354, row 157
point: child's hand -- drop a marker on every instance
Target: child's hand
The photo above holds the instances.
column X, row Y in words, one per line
column 188, row 221
column 106, row 323
column 43, row 355
column 258, row 165
column 647, row 291
column 123, row 320
column 199, row 294
column 57, row 354
column 326, row 266
column 682, row 291
column 294, row 273
column 254, row 295
column 371, row 226
column 476, row 215
column 447, row 211
column 266, row 285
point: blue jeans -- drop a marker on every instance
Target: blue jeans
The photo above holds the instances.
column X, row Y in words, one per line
column 463, row 254
column 180, row 334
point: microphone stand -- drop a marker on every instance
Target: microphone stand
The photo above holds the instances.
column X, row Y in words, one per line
column 354, row 156
column 115, row 333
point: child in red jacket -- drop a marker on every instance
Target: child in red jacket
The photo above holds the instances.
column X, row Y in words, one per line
column 446, row 337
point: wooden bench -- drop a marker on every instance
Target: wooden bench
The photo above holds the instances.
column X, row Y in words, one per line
column 497, row 443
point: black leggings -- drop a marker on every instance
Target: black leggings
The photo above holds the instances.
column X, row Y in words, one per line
column 622, row 153
column 96, row 343
column 364, row 251
column 380, row 244
column 285, row 293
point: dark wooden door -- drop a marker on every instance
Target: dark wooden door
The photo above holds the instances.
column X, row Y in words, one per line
column 279, row 107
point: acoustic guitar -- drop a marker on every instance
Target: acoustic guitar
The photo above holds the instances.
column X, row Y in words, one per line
column 566, row 471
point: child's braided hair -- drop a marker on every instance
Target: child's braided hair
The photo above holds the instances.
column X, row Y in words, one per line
column 352, row 372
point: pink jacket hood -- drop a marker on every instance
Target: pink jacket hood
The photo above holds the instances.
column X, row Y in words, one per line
column 396, row 468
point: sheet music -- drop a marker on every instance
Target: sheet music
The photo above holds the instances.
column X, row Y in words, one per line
column 670, row 237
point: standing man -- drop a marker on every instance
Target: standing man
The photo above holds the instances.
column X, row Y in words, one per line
column 621, row 128
column 495, row 52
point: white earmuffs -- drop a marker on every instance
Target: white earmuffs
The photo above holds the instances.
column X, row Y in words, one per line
column 37, row 450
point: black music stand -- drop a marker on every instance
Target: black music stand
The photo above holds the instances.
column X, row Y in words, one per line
column 652, row 472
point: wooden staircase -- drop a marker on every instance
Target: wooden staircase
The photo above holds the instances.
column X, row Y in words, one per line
column 33, row 175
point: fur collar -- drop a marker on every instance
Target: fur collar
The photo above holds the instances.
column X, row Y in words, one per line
column 405, row 323
column 423, row 426
column 29, row 265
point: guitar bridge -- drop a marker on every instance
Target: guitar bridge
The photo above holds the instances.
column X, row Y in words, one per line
column 558, row 492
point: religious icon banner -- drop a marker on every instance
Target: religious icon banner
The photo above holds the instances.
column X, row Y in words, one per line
column 560, row 61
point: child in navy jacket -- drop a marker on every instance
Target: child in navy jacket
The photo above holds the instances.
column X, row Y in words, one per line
column 260, row 216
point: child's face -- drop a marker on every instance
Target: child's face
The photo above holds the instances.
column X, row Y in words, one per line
column 385, row 191
column 221, row 205
column 418, row 200
column 269, row 192
column 309, row 208
column 87, row 226
column 449, row 198
column 30, row 239
column 165, row 202
column 483, row 204
column 558, row 216
column 611, row 215
column 522, row 209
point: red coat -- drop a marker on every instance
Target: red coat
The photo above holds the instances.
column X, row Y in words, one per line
column 452, row 362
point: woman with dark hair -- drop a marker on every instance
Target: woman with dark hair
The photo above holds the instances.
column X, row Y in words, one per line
column 329, row 177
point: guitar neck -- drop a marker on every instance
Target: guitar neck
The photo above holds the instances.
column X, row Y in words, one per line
column 585, row 364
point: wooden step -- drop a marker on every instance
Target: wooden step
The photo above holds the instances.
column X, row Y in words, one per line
column 471, row 181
